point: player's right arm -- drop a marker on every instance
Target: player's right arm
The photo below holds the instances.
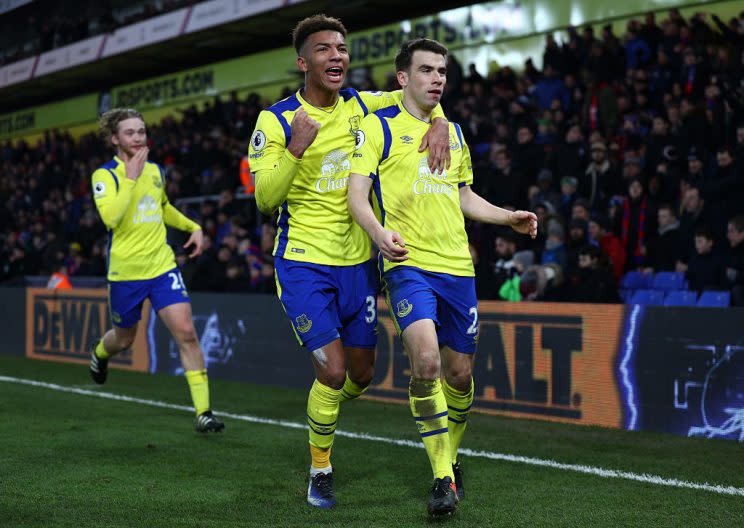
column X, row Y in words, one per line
column 364, row 166
column 275, row 164
column 112, row 196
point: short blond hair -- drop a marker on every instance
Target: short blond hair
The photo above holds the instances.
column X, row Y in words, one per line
column 108, row 123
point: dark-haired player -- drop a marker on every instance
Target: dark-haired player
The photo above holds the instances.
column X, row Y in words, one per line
column 301, row 153
column 427, row 268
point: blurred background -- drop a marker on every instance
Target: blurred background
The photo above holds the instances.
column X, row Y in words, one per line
column 621, row 126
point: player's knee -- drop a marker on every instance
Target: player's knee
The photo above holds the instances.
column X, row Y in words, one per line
column 334, row 377
column 185, row 334
column 363, row 378
column 459, row 376
column 427, row 365
column 124, row 340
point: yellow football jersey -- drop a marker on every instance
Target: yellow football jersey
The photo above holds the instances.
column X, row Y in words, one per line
column 314, row 223
column 422, row 206
column 135, row 214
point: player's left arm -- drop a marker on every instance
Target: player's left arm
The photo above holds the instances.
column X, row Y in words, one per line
column 436, row 138
column 478, row 209
column 174, row 218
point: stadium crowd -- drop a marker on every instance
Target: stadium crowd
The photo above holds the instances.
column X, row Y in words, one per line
column 629, row 148
column 26, row 34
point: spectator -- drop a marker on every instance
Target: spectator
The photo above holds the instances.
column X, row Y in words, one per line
column 695, row 214
column 545, row 193
column 493, row 277
column 568, row 196
column 599, row 180
column 593, row 282
column 666, row 248
column 707, row 268
column 569, row 158
column 734, row 279
column 601, row 236
column 635, row 224
column 555, row 248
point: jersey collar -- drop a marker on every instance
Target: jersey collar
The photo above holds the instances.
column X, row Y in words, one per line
column 410, row 115
column 326, row 110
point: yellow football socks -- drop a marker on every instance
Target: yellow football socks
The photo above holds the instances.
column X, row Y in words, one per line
column 458, row 409
column 101, row 352
column 351, row 390
column 199, row 387
column 322, row 414
column 429, row 408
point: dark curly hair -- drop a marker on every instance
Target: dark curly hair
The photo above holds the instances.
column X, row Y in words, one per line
column 313, row 24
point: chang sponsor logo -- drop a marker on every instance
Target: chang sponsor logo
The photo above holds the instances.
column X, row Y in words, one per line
column 147, row 211
column 430, row 183
column 335, row 162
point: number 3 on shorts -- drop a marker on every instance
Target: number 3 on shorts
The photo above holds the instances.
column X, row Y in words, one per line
column 177, row 283
column 473, row 328
column 371, row 309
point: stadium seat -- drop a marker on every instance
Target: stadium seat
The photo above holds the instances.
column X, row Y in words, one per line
column 715, row 299
column 652, row 297
column 635, row 280
column 625, row 295
column 680, row 298
column 669, row 281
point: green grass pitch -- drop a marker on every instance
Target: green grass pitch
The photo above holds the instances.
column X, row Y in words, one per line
column 73, row 460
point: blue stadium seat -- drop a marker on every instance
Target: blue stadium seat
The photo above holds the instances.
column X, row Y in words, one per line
column 635, row 280
column 715, row 299
column 652, row 297
column 680, row 298
column 669, row 281
column 625, row 295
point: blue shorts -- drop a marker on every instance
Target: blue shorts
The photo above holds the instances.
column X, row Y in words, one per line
column 448, row 300
column 126, row 297
column 325, row 303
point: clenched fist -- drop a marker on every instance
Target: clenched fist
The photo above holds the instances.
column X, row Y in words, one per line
column 304, row 131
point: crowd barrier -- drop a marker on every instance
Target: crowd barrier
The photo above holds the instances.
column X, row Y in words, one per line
column 675, row 370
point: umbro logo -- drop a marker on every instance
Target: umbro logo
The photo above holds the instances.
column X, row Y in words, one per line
column 407, row 140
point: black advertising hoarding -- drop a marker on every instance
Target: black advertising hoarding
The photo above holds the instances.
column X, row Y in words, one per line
column 684, row 372
column 676, row 370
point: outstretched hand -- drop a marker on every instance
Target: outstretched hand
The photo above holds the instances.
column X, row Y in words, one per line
column 523, row 222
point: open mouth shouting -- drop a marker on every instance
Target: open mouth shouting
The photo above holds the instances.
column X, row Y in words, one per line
column 335, row 74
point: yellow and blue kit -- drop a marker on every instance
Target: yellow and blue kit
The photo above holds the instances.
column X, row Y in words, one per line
column 436, row 281
column 140, row 262
column 315, row 230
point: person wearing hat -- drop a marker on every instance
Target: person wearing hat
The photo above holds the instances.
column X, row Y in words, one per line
column 631, row 169
column 695, row 164
column 555, row 248
column 545, row 192
column 568, row 195
column 598, row 181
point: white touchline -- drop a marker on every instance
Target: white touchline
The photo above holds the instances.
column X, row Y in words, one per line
column 578, row 468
